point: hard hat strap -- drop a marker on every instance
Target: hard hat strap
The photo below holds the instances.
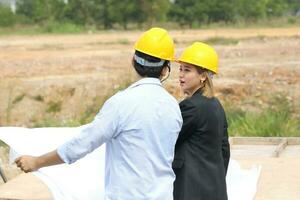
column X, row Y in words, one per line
column 210, row 74
column 144, row 62
column 169, row 71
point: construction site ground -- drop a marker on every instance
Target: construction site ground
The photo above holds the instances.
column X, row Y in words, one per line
column 279, row 159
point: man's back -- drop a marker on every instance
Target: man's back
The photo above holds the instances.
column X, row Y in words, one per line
column 140, row 155
column 140, row 126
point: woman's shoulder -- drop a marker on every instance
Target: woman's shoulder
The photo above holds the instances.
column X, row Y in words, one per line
column 199, row 100
column 189, row 101
column 188, row 105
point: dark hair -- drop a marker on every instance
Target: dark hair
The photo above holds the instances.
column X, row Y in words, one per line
column 146, row 71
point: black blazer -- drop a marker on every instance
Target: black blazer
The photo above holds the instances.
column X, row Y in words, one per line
column 202, row 150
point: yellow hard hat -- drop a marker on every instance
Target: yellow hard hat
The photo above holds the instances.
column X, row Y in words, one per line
column 156, row 42
column 202, row 55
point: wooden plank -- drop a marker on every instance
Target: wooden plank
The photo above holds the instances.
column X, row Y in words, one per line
column 263, row 140
column 281, row 146
column 2, row 175
column 293, row 140
column 255, row 140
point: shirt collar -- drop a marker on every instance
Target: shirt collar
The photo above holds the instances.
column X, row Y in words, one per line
column 199, row 91
column 154, row 81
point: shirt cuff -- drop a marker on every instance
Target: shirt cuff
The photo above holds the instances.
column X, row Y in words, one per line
column 62, row 153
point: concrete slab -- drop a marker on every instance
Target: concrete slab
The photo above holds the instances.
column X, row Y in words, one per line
column 25, row 187
column 279, row 179
column 291, row 151
column 252, row 150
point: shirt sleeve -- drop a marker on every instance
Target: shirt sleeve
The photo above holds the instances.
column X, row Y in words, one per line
column 103, row 128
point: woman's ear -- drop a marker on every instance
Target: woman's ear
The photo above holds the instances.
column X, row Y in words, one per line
column 202, row 77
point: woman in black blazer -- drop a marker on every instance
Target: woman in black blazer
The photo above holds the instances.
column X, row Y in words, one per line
column 202, row 150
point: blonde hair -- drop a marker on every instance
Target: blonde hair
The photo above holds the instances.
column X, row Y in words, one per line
column 207, row 88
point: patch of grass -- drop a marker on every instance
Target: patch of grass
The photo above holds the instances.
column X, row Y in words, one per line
column 48, row 47
column 9, row 104
column 38, row 98
column 71, row 91
column 53, row 106
column 49, row 28
column 276, row 22
column 90, row 112
column 56, row 27
column 86, row 117
column 98, row 102
column 123, row 41
column 18, row 98
column 277, row 120
column 221, row 41
column 52, row 122
column 21, row 30
column 292, row 20
column 176, row 41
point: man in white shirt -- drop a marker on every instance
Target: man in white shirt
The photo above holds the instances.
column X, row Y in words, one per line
column 139, row 125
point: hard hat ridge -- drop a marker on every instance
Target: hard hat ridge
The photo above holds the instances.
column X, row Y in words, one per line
column 156, row 42
column 201, row 55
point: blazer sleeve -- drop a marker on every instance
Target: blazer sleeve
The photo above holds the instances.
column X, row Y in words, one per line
column 225, row 145
column 189, row 116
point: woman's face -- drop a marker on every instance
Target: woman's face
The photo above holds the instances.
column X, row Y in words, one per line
column 189, row 78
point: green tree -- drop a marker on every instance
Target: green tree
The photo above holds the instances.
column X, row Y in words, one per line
column 124, row 12
column 99, row 13
column 276, row 8
column 252, row 10
column 293, row 5
column 202, row 11
column 224, row 10
column 36, row 11
column 154, row 10
column 7, row 17
column 58, row 9
column 186, row 12
column 40, row 11
column 79, row 11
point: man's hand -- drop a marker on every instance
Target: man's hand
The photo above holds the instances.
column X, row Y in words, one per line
column 31, row 163
column 27, row 163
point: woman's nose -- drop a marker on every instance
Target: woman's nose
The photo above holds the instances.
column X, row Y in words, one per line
column 180, row 74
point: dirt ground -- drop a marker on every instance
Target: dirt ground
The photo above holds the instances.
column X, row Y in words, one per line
column 41, row 72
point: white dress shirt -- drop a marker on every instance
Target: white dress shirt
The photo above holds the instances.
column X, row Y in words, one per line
column 140, row 126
